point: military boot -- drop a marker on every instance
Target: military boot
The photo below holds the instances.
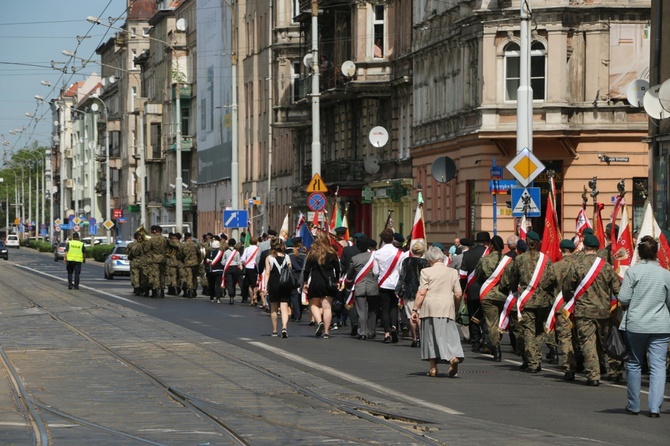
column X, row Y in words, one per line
column 177, row 291
column 497, row 353
column 553, row 355
column 154, row 293
column 161, row 293
column 170, row 291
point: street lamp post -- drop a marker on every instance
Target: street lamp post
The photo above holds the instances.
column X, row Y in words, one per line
column 108, row 204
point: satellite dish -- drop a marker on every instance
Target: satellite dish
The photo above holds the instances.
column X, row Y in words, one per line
column 348, row 68
column 443, row 169
column 378, row 136
column 635, row 92
column 112, row 79
column 664, row 95
column 307, row 60
column 104, row 81
column 371, row 164
column 87, row 208
column 181, row 25
column 652, row 105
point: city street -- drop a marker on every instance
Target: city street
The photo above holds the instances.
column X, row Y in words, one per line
column 487, row 402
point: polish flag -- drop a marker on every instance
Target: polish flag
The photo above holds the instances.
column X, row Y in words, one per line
column 582, row 222
column 622, row 249
column 523, row 228
column 649, row 226
column 418, row 229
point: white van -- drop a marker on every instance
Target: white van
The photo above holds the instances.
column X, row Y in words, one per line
column 96, row 240
column 13, row 241
column 171, row 227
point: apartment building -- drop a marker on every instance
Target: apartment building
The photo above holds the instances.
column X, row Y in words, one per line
column 583, row 56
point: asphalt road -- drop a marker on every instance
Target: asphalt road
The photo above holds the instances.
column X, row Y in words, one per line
column 484, row 390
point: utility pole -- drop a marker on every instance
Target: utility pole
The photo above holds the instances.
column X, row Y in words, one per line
column 524, row 98
column 316, row 118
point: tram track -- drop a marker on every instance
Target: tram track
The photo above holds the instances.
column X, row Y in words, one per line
column 212, row 410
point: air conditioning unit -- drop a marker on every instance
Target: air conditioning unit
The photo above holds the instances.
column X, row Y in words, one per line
column 68, row 153
column 69, row 183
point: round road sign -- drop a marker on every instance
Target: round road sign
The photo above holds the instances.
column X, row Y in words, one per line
column 316, row 201
column 76, row 228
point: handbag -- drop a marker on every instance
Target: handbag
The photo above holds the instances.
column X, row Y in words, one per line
column 614, row 344
column 462, row 315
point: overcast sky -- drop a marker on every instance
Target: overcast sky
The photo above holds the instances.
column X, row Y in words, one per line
column 33, row 33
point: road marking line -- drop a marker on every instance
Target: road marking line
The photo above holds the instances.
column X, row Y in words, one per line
column 356, row 379
column 113, row 296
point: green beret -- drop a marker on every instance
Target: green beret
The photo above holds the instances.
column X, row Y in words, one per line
column 591, row 241
column 567, row 244
column 587, row 231
column 533, row 236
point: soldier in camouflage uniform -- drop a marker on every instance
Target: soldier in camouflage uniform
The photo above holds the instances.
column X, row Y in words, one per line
column 191, row 259
column 567, row 340
column 533, row 315
column 155, row 250
column 205, row 247
column 592, row 310
column 135, row 250
column 173, row 265
column 494, row 300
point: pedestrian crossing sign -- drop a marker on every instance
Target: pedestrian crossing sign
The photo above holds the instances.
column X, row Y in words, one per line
column 526, row 201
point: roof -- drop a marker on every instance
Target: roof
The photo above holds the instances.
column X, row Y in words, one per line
column 142, row 10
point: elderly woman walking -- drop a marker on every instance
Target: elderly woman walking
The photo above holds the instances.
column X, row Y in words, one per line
column 436, row 301
column 645, row 292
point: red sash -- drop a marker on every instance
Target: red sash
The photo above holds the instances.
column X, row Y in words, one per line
column 361, row 274
column 391, row 268
column 494, row 278
column 584, row 285
column 551, row 319
column 510, row 303
column 254, row 255
column 534, row 282
column 225, row 268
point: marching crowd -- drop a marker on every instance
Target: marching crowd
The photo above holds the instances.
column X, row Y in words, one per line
column 477, row 289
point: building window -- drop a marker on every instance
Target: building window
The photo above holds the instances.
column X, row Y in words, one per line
column 186, row 120
column 295, row 81
column 538, row 69
column 378, row 23
column 156, row 140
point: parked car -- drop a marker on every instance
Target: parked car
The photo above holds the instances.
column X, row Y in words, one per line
column 4, row 252
column 59, row 252
column 13, row 241
column 117, row 263
column 96, row 240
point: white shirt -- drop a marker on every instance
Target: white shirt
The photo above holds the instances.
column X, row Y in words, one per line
column 383, row 259
column 250, row 256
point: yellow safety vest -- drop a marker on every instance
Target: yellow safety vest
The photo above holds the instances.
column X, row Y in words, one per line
column 75, row 251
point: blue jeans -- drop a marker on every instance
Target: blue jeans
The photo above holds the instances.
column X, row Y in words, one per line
column 657, row 347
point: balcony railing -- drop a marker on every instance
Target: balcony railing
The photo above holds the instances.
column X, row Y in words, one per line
column 186, row 144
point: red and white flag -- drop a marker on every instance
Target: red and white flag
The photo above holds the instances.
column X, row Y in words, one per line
column 582, row 221
column 622, row 247
column 418, row 229
column 649, row 226
column 598, row 229
column 523, row 228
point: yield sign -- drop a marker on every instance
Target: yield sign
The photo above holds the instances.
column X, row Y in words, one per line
column 525, row 167
column 526, row 199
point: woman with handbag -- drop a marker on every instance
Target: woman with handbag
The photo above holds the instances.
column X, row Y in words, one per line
column 322, row 268
column 645, row 292
column 278, row 294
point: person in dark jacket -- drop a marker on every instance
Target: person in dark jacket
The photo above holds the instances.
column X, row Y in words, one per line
column 470, row 286
column 408, row 285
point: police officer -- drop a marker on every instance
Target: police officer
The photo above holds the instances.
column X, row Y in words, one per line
column 74, row 256
column 597, row 282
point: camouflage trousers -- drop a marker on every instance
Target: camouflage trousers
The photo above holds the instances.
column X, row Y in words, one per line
column 137, row 276
column 551, row 339
column 566, row 334
column 532, row 327
column 188, row 276
column 492, row 310
column 155, row 273
column 172, row 276
column 516, row 333
column 590, row 334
